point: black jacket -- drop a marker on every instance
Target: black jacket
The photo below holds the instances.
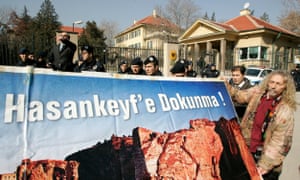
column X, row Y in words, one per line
column 62, row 60
column 296, row 76
column 191, row 73
column 92, row 65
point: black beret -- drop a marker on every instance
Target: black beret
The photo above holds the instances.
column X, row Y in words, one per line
column 123, row 62
column 23, row 51
column 179, row 67
column 137, row 61
column 151, row 59
column 42, row 54
column 87, row 48
column 189, row 62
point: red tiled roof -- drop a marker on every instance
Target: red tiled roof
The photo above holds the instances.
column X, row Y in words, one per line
column 78, row 30
column 224, row 26
column 155, row 21
column 248, row 22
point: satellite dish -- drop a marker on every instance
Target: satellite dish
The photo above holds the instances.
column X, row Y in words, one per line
column 246, row 5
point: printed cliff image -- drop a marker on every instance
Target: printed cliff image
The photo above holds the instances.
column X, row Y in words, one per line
column 208, row 150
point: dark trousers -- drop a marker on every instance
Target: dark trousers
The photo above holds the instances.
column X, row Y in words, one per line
column 272, row 175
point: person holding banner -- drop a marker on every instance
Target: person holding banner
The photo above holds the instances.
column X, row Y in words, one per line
column 239, row 81
column 268, row 122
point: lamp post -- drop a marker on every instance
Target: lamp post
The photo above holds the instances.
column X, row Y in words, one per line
column 76, row 22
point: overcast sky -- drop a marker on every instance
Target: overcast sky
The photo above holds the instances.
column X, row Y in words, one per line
column 124, row 12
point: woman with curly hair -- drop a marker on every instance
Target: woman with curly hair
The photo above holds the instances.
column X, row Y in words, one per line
column 268, row 122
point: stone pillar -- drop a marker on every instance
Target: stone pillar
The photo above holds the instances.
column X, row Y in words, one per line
column 185, row 51
column 208, row 52
column 223, row 55
column 196, row 52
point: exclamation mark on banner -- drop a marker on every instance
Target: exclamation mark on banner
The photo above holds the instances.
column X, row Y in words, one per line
column 222, row 99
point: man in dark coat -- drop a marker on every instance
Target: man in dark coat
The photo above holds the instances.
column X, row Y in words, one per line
column 61, row 56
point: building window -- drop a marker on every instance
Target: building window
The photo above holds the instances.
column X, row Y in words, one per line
column 244, row 53
column 149, row 45
column 255, row 52
column 263, row 52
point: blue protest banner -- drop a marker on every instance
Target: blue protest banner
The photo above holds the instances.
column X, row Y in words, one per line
column 49, row 115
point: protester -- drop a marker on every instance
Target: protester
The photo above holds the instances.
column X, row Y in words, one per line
column 296, row 76
column 23, row 57
column 31, row 59
column 211, row 71
column 41, row 60
column 151, row 66
column 179, row 68
column 268, row 123
column 239, row 81
column 190, row 71
column 61, row 56
column 123, row 67
column 87, row 61
column 136, row 67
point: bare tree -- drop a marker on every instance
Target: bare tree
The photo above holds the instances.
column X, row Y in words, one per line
column 182, row 12
column 6, row 19
column 110, row 29
column 4, row 14
column 290, row 18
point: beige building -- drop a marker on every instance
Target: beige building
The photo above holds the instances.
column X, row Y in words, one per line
column 150, row 32
column 243, row 40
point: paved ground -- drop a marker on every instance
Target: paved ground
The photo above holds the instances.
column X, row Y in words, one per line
column 291, row 165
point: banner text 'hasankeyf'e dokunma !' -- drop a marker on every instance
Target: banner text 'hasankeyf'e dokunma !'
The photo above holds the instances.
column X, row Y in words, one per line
column 49, row 115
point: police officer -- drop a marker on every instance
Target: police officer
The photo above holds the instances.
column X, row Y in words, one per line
column 23, row 57
column 136, row 67
column 123, row 67
column 211, row 72
column 296, row 76
column 190, row 71
column 151, row 66
column 179, row 68
column 87, row 62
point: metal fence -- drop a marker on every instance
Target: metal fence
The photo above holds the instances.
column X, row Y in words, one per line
column 110, row 56
column 8, row 53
